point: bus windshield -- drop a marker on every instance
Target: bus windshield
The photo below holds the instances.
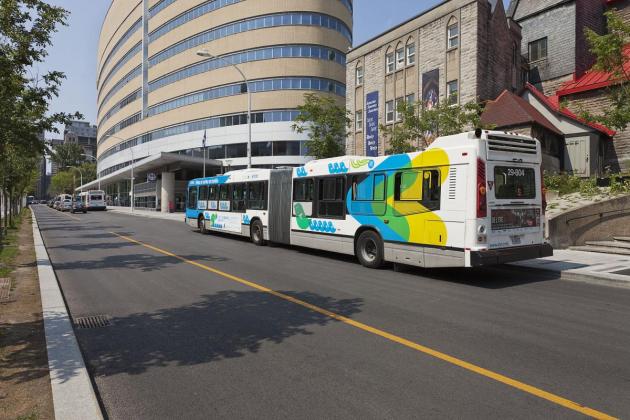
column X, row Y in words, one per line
column 514, row 182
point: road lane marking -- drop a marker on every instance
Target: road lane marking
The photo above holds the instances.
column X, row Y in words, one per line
column 403, row 341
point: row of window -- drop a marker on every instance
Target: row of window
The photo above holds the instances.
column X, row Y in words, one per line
column 133, row 96
column 236, row 197
column 280, row 51
column 368, row 192
column 255, row 86
column 135, row 72
column 200, row 125
column 128, row 56
column 265, row 85
column 159, row 6
column 269, row 21
column 128, row 33
column 396, row 61
column 189, row 15
column 259, row 149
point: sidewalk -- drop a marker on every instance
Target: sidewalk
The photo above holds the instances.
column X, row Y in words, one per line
column 147, row 213
column 584, row 266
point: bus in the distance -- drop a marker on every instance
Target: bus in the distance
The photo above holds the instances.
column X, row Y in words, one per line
column 94, row 200
column 468, row 200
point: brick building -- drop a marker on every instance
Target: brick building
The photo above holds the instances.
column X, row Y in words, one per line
column 83, row 134
column 554, row 42
column 446, row 53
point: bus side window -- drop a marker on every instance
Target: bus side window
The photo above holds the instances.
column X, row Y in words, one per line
column 303, row 193
column 256, row 199
column 331, row 197
column 408, row 186
column 431, row 189
column 203, row 197
column 239, row 194
column 192, row 198
column 212, row 192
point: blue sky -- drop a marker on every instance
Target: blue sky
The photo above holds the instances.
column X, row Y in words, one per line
column 74, row 47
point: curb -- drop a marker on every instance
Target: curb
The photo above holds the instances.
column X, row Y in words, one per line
column 573, row 276
column 73, row 395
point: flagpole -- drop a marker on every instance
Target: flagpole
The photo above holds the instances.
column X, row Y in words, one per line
column 204, row 153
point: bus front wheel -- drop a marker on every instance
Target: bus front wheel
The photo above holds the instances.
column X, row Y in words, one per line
column 369, row 249
column 256, row 233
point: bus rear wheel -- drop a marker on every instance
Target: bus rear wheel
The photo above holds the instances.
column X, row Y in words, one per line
column 201, row 224
column 369, row 249
column 256, row 233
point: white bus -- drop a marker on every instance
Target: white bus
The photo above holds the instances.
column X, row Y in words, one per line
column 94, row 200
column 468, row 200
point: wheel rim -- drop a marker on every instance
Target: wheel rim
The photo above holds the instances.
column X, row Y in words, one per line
column 369, row 251
column 200, row 224
column 256, row 233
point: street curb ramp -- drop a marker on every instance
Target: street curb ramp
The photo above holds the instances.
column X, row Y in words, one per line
column 73, row 395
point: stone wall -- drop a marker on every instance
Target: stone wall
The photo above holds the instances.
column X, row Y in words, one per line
column 595, row 222
column 589, row 14
column 617, row 151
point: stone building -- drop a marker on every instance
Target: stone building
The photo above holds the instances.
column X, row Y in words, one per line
column 590, row 92
column 445, row 53
column 554, row 42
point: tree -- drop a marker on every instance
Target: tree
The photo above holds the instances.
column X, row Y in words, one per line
column 62, row 182
column 417, row 129
column 26, row 28
column 612, row 52
column 67, row 154
column 326, row 123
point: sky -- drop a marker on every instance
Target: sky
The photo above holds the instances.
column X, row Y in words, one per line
column 74, row 46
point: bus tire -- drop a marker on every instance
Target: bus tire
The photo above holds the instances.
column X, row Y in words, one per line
column 369, row 249
column 201, row 225
column 256, row 233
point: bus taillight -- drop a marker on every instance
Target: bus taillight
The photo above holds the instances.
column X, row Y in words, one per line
column 482, row 205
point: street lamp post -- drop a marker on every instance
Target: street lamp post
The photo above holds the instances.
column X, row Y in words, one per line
column 81, row 175
column 98, row 176
column 132, row 162
column 205, row 53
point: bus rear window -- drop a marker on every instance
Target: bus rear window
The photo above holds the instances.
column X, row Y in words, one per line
column 513, row 182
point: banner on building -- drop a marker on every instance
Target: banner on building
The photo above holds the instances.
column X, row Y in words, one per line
column 430, row 88
column 371, row 124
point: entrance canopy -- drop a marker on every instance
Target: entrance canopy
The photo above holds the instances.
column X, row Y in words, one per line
column 162, row 162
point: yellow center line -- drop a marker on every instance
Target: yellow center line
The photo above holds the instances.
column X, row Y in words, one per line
column 407, row 343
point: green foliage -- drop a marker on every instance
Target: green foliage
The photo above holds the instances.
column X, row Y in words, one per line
column 618, row 185
column 67, row 154
column 416, row 128
column 65, row 181
column 26, row 28
column 568, row 184
column 609, row 52
column 326, row 124
column 588, row 187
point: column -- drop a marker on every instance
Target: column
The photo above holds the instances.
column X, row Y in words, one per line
column 168, row 191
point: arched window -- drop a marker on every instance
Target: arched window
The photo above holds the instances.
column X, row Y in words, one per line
column 390, row 64
column 359, row 74
column 452, row 33
column 411, row 51
column 400, row 56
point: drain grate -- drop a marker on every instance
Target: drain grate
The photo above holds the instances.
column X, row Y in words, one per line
column 5, row 289
column 93, row 321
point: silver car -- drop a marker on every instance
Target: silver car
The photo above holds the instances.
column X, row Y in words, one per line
column 66, row 205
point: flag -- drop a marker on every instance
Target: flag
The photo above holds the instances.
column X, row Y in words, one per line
column 203, row 143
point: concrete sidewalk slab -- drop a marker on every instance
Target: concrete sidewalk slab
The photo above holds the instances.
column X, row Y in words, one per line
column 73, row 395
column 179, row 217
column 591, row 267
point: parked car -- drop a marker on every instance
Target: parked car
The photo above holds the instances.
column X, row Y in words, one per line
column 78, row 206
column 51, row 203
column 65, row 205
column 56, row 204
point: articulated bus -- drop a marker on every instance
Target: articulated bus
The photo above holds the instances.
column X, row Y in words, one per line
column 468, row 200
column 94, row 200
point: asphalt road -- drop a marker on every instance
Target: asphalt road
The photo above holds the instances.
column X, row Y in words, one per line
column 190, row 338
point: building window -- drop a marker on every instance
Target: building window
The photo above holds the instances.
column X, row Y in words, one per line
column 411, row 54
column 389, row 62
column 400, row 58
column 452, row 89
column 538, row 49
column 389, row 111
column 453, row 35
column 358, row 120
column 411, row 99
column 359, row 76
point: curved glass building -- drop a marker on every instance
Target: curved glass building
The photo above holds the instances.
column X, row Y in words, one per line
column 157, row 96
